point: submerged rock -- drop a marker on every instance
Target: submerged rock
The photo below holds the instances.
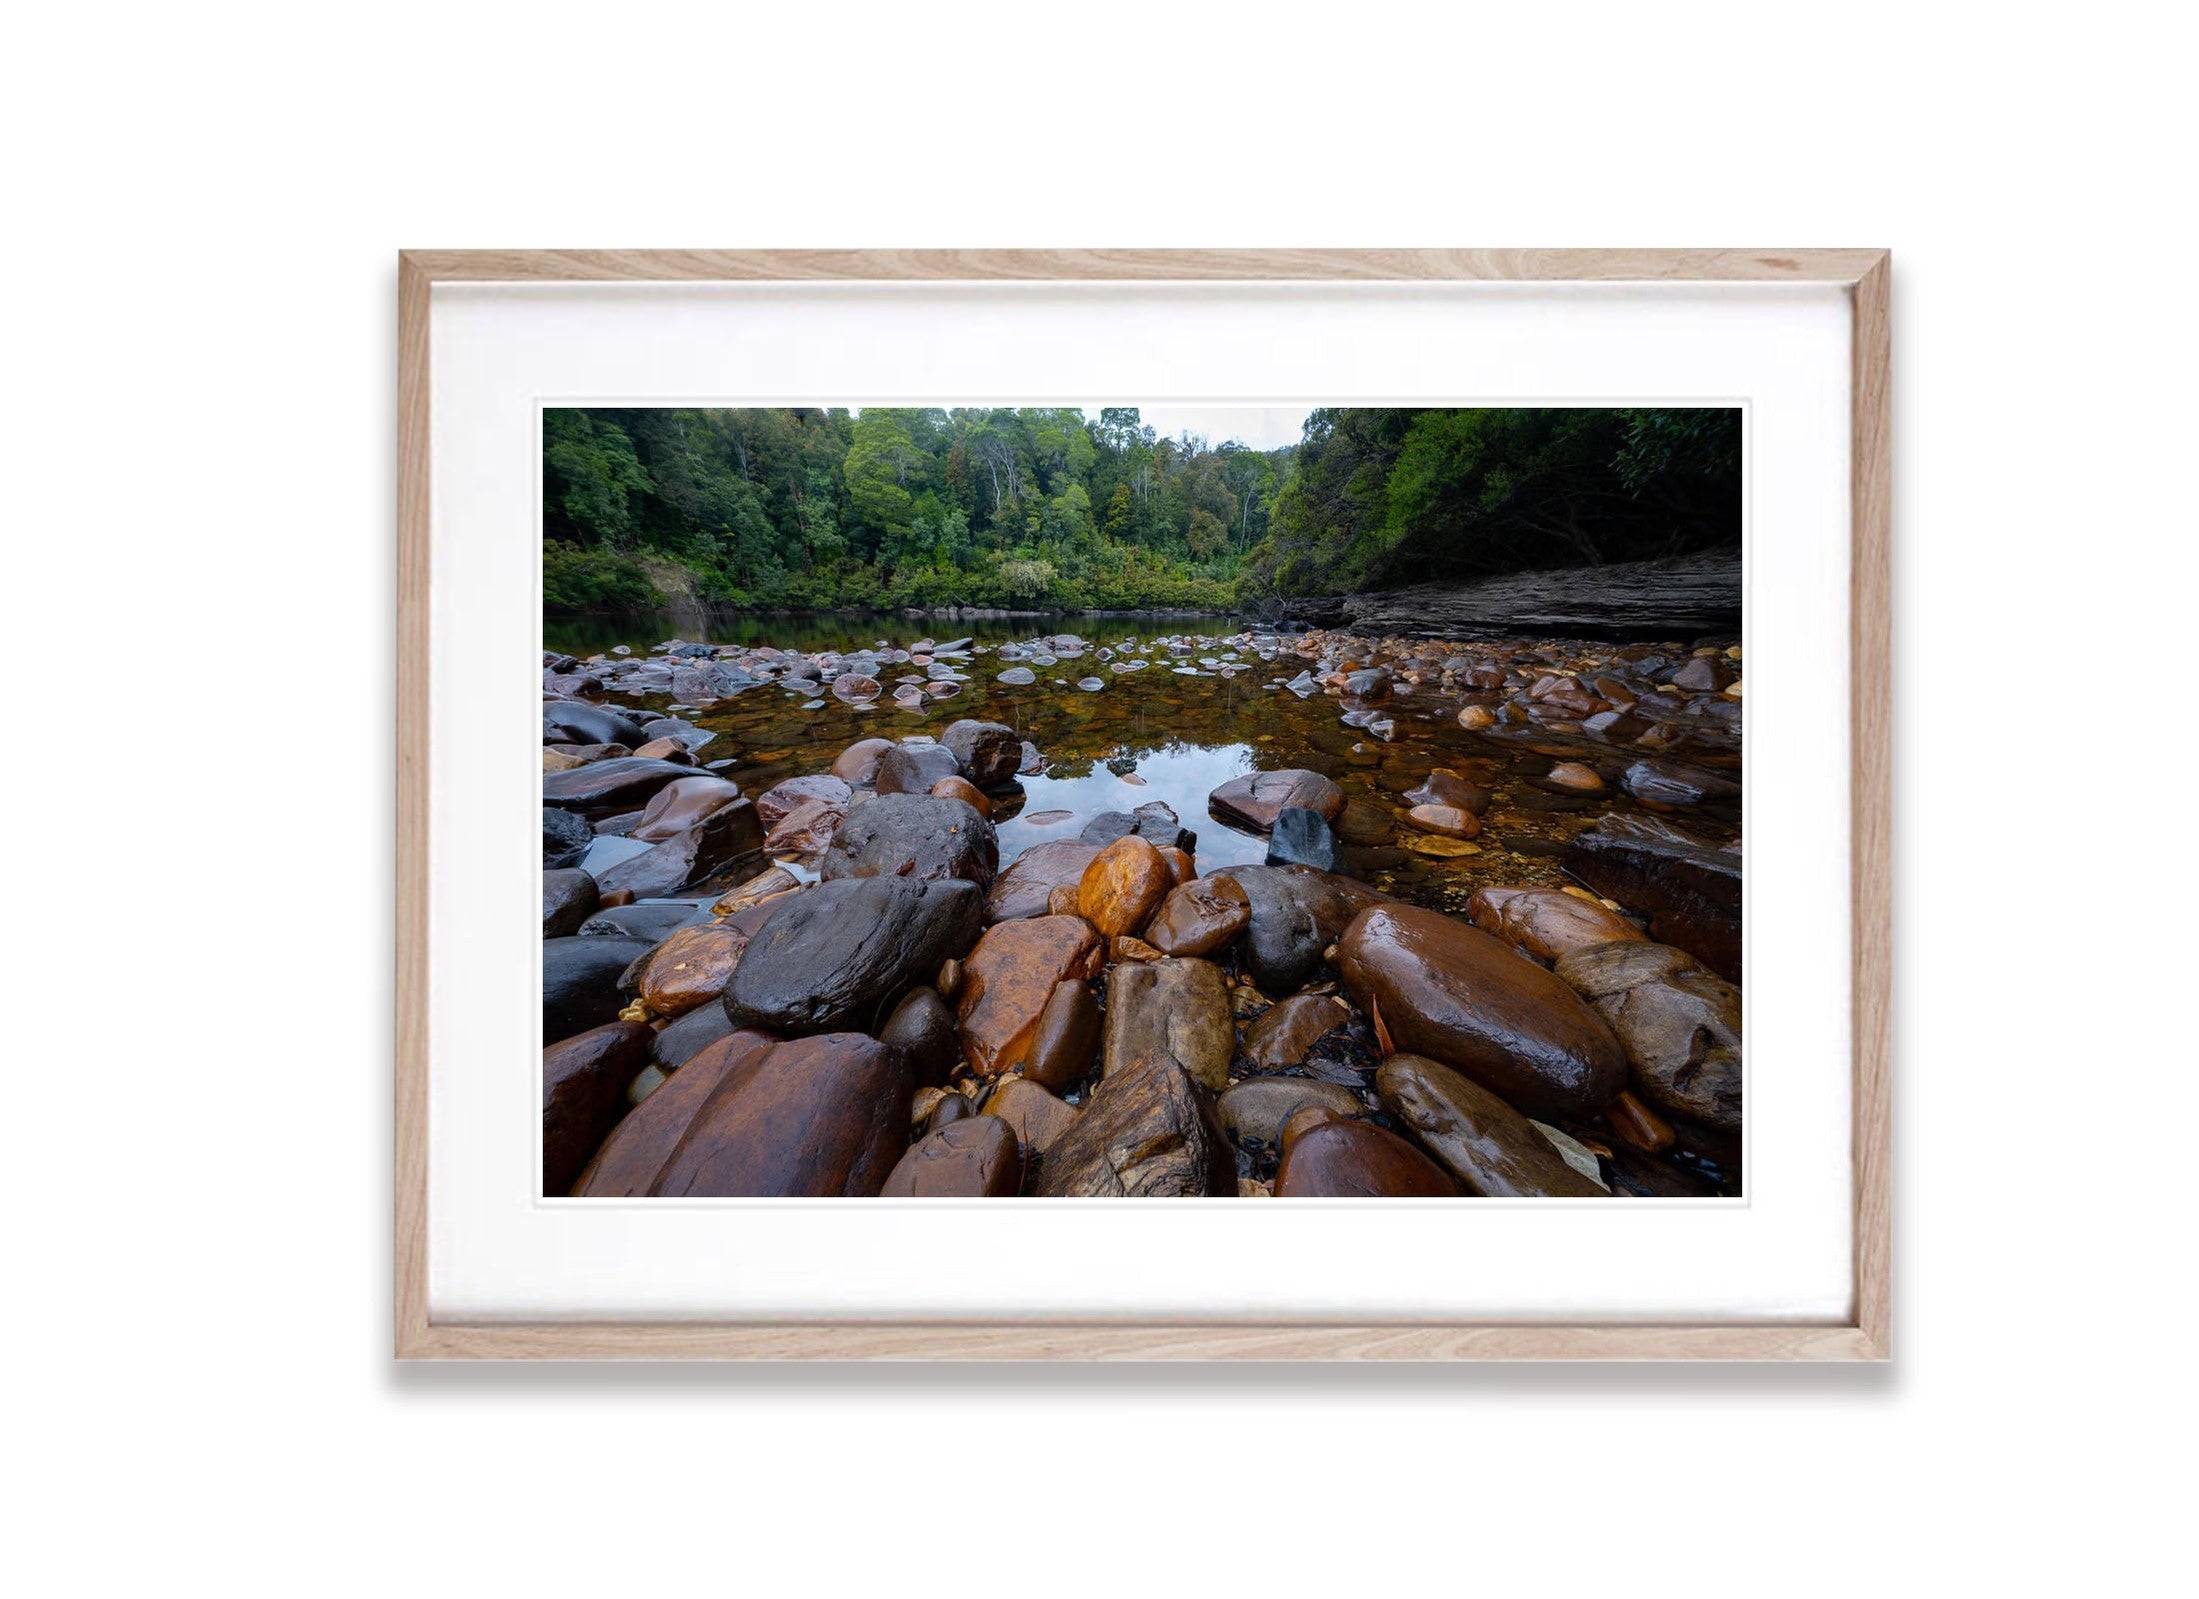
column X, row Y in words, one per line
column 1436, row 987
column 1301, row 838
column 841, row 954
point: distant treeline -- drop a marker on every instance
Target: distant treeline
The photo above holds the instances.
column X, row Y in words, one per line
column 816, row 509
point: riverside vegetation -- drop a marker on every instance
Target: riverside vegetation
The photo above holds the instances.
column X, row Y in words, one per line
column 1234, row 913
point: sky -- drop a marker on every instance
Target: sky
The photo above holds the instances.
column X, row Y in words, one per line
column 1267, row 427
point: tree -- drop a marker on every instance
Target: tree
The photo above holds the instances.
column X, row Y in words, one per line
column 880, row 463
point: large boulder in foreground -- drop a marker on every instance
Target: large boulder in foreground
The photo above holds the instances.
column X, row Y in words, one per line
column 1439, row 988
column 1690, row 889
column 1297, row 913
column 841, row 955
column 584, row 1083
column 630, row 1159
column 918, row 836
column 1255, row 800
column 1124, row 885
column 987, row 752
column 1489, row 1147
column 976, row 1158
column 1680, row 1024
column 679, row 805
column 1026, row 884
column 578, row 722
column 1173, row 1010
column 1149, row 1133
column 1357, row 1160
column 1009, row 979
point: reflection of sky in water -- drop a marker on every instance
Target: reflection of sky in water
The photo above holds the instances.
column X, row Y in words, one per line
column 1181, row 776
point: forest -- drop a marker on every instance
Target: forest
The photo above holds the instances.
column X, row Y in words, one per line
column 1052, row 509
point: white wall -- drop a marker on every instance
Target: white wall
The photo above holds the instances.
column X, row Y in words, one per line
column 198, row 497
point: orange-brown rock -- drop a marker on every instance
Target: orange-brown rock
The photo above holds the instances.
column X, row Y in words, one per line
column 1303, row 1118
column 584, row 1084
column 1181, row 868
column 975, row 1158
column 1170, row 1009
column 1546, row 922
column 923, row 1025
column 1679, row 1021
column 1123, row 886
column 1448, row 820
column 1008, row 980
column 1476, row 718
column 1026, row 885
column 1284, row 1033
column 1066, row 1040
column 666, row 749
column 1574, row 775
column 640, row 1144
column 810, row 1118
column 1446, row 787
column 1037, row 1116
column 963, row 789
column 1253, row 801
column 1199, row 917
column 691, row 966
column 1061, row 900
column 1487, row 1145
column 1440, row 988
column 1357, row 1160
column 1635, row 1123
column 1148, row 1133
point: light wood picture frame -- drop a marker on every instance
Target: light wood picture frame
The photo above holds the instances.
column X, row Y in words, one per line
column 1862, row 1335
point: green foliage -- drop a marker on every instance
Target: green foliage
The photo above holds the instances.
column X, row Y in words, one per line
column 817, row 509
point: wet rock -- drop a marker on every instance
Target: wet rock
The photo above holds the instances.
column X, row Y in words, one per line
column 568, row 899
column 1439, row 988
column 1476, row 718
column 689, row 968
column 1018, row 676
column 1008, row 981
column 1490, row 1147
column 1037, row 1116
column 1446, row 787
column 1301, row 838
column 1123, row 886
column 987, row 752
column 1296, row 913
column 605, row 787
column 913, row 835
column 923, row 1025
column 1304, row 1119
column 1632, row 1122
column 1172, row 1009
column 717, row 843
column 1148, row 1133
column 1284, row 1034
column 1066, row 1042
column 584, row 1085
column 654, row 921
column 1669, row 784
column 665, row 749
column 1690, row 890
column 810, row 1118
column 1062, row 901
column 806, row 831
column 775, row 804
column 1025, row 885
column 841, row 954
column 1447, row 821
column 1257, row 1107
column 854, row 686
column 580, row 982
column 1575, row 778
column 1357, row 1160
column 1679, row 1022
column 912, row 768
column 679, row 805
column 858, row 763
column 1361, row 825
column 1702, row 675
column 1254, row 801
column 951, row 1108
column 559, row 761
column 961, row 788
column 980, row 1158
column 675, row 1044
column 1545, row 922
column 577, row 722
column 565, row 839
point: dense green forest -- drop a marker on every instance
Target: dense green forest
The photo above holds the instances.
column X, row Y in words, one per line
column 830, row 509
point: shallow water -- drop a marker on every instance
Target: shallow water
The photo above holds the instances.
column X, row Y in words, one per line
column 1165, row 733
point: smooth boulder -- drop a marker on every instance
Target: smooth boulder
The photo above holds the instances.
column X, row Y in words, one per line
column 1546, row 922
column 1679, row 1022
column 1199, row 917
column 923, row 1025
column 842, row 954
column 1255, row 1110
column 987, row 752
column 719, row 842
column 1008, row 980
column 811, row 1117
column 602, row 788
column 978, row 1157
column 912, row 768
column 1487, row 1145
column 1296, row 913
column 1357, row 1160
column 580, row 982
column 1026, row 884
column 913, row 835
column 1169, row 1009
column 1255, row 800
column 569, row 897
column 584, row 1084
column 1123, row 885
column 1433, row 986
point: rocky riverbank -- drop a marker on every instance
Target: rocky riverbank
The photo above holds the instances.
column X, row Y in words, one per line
column 815, row 970
column 1685, row 596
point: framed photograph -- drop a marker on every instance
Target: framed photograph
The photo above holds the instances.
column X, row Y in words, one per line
column 1143, row 804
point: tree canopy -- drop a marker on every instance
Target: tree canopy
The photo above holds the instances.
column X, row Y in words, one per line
column 1044, row 507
